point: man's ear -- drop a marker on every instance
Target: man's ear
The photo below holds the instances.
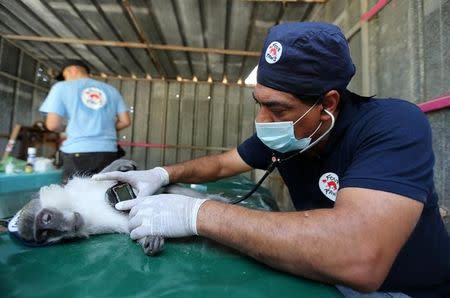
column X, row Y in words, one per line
column 330, row 102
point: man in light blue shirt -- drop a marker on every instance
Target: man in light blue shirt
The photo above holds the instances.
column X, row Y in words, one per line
column 94, row 112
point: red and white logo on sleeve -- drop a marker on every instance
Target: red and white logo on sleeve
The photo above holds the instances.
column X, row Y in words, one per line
column 93, row 98
column 329, row 185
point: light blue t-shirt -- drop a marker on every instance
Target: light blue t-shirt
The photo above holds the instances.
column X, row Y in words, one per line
column 91, row 109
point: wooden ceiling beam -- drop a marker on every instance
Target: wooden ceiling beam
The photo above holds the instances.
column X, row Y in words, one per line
column 135, row 45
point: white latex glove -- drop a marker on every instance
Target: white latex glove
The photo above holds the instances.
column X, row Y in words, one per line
column 145, row 182
column 167, row 215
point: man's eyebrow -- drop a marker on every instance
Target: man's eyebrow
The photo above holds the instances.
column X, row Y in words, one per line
column 273, row 102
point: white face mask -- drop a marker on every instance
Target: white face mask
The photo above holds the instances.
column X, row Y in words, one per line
column 280, row 136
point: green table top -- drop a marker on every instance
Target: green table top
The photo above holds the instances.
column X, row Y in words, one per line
column 114, row 266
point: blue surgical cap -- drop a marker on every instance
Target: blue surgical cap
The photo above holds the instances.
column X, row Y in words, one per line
column 305, row 59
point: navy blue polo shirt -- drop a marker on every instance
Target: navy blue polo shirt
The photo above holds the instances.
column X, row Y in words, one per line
column 381, row 144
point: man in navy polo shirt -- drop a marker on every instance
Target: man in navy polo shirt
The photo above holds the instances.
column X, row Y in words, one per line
column 359, row 171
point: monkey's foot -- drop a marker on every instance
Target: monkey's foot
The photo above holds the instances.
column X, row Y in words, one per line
column 152, row 245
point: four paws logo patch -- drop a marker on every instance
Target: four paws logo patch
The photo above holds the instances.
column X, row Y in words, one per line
column 329, row 185
column 273, row 52
column 93, row 98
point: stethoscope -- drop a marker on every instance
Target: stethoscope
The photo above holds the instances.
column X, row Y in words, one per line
column 277, row 160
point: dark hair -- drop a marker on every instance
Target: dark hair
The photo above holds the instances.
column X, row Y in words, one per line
column 71, row 62
column 312, row 99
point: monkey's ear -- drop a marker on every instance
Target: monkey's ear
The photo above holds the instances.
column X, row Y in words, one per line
column 15, row 228
column 122, row 165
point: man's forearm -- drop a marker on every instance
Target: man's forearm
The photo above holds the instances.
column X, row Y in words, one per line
column 208, row 168
column 121, row 125
column 312, row 244
column 199, row 170
column 123, row 120
column 54, row 122
column 262, row 236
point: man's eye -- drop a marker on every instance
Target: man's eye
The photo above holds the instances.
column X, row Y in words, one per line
column 278, row 112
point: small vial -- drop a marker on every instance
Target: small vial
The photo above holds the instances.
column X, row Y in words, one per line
column 31, row 159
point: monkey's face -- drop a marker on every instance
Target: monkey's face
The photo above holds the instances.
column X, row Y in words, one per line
column 46, row 225
column 53, row 225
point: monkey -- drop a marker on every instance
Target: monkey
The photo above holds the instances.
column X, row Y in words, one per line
column 80, row 209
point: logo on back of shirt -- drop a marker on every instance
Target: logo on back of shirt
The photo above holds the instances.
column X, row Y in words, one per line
column 93, row 98
column 329, row 185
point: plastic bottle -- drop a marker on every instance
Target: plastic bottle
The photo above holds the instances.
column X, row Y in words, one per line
column 9, row 168
column 30, row 159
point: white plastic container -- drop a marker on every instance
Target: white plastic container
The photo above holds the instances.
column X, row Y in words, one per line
column 9, row 168
column 31, row 159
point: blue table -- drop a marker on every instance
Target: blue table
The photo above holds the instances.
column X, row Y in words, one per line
column 16, row 189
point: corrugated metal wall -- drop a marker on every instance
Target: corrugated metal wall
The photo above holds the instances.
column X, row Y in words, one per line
column 23, row 83
column 195, row 118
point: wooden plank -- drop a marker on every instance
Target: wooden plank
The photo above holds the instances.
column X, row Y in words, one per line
column 240, row 17
column 201, row 125
column 17, row 109
column 38, row 99
column 215, row 16
column 232, row 113
column 216, row 120
column 6, row 104
column 131, row 45
column 172, row 121
column 151, row 31
column 24, row 103
column 12, row 140
column 115, row 83
column 140, row 123
column 157, row 122
column 191, row 11
column 186, row 120
column 165, row 10
column 247, row 120
column 128, row 90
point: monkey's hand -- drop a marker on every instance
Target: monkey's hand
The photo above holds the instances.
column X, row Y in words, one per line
column 167, row 215
column 152, row 245
column 145, row 182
